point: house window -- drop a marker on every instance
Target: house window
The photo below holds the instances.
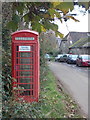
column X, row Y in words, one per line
column 70, row 42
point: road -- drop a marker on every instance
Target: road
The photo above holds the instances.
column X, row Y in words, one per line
column 75, row 81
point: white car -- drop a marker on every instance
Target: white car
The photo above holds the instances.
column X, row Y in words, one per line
column 58, row 56
column 47, row 57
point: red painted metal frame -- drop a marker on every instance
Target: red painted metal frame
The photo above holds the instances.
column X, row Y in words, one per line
column 34, row 84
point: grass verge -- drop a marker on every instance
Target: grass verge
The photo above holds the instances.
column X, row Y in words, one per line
column 56, row 104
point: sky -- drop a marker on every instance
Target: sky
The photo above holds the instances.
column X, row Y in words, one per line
column 71, row 25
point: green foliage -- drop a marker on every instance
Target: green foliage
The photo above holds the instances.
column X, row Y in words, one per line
column 53, row 12
column 59, row 34
column 39, row 14
column 16, row 18
column 6, row 73
column 20, row 7
column 36, row 26
column 13, row 25
column 85, row 4
column 65, row 6
column 5, row 39
column 6, row 63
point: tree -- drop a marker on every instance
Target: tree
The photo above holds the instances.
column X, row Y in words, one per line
column 49, row 41
column 39, row 15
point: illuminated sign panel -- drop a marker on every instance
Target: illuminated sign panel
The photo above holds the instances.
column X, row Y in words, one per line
column 24, row 48
column 24, row 38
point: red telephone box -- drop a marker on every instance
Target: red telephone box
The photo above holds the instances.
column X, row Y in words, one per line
column 25, row 64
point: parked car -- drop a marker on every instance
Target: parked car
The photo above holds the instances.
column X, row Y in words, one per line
column 72, row 59
column 63, row 58
column 47, row 57
column 58, row 56
column 83, row 60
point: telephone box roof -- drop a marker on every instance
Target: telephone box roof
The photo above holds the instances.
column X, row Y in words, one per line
column 21, row 31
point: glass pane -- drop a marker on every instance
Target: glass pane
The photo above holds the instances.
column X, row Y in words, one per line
column 25, row 61
column 17, row 54
column 25, row 86
column 16, row 48
column 25, row 67
column 16, row 80
column 17, row 73
column 23, row 93
column 17, row 61
column 26, row 80
column 25, row 73
column 25, row 54
column 32, row 48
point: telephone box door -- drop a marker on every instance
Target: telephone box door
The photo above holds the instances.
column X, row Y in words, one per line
column 24, row 71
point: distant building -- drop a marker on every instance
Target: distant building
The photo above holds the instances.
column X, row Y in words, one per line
column 58, row 42
column 82, row 46
column 74, row 41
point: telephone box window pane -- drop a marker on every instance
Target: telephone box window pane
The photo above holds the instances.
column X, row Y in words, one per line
column 17, row 73
column 25, row 67
column 17, row 54
column 25, row 73
column 25, row 61
column 25, row 54
column 16, row 48
column 17, row 61
column 17, row 80
column 26, row 80
column 32, row 92
column 25, row 86
column 26, row 93
column 32, row 48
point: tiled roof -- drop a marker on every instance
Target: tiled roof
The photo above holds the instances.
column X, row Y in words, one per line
column 83, row 42
column 75, row 36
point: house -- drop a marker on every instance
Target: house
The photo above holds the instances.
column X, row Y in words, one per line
column 58, row 42
column 70, row 39
column 82, row 46
column 64, row 46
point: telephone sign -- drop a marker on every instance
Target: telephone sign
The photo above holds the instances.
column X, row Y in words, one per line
column 24, row 48
column 25, row 64
column 24, row 38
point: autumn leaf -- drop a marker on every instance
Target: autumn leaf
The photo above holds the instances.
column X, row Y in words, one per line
column 73, row 18
column 59, row 34
column 57, row 3
column 43, row 29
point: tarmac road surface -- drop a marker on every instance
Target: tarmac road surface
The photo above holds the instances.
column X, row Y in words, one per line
column 75, row 82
